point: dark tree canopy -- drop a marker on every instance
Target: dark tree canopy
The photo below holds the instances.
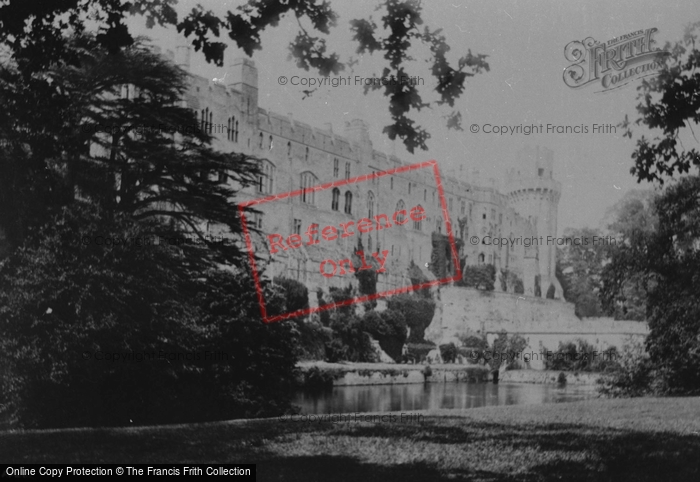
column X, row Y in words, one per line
column 669, row 103
column 395, row 35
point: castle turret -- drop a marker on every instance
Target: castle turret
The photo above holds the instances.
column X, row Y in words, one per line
column 534, row 194
column 244, row 79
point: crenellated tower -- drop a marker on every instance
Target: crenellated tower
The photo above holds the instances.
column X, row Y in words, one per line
column 534, row 194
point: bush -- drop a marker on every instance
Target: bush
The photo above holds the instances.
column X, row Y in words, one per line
column 295, row 293
column 418, row 313
column 581, row 356
column 634, row 376
column 448, row 352
column 418, row 352
column 389, row 329
column 481, row 277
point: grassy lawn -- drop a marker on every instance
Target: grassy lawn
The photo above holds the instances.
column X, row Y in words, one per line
column 636, row 440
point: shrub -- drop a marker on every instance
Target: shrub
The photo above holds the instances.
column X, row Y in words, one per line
column 389, row 329
column 448, row 352
column 418, row 352
column 418, row 313
column 481, row 277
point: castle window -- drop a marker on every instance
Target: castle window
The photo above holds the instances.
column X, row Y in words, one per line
column 336, row 199
column 425, row 194
column 348, row 202
column 261, row 140
column 270, row 142
column 482, row 257
column 392, row 183
column 417, row 224
column 370, row 205
column 235, row 132
column 257, row 220
column 347, row 170
column 438, row 225
column 297, row 226
column 306, row 154
column 308, row 180
column 400, row 206
column 265, row 178
column 483, row 216
column 540, row 172
column 336, row 167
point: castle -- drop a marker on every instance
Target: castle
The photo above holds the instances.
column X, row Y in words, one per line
column 297, row 156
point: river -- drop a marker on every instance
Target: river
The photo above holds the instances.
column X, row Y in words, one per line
column 430, row 396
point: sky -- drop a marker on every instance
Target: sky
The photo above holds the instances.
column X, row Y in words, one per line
column 524, row 41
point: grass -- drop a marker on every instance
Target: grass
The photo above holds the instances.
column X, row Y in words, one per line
column 636, row 439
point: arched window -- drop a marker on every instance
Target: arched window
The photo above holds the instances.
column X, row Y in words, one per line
column 232, row 129
column 308, row 181
column 417, row 224
column 270, row 142
column 482, row 258
column 370, row 205
column 336, row 199
column 261, row 140
column 348, row 202
column 400, row 206
column 266, row 177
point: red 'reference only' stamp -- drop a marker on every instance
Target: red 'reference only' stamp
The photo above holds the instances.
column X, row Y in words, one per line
column 331, row 233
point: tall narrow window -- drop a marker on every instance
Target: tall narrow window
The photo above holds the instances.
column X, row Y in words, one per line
column 261, row 140
column 370, row 205
column 348, row 202
column 400, row 208
column 336, row 168
column 417, row 224
column 308, row 181
column 211, row 121
column 347, row 170
column 336, row 199
column 270, row 142
column 235, row 133
column 289, row 149
column 297, row 226
column 266, row 177
column 306, row 154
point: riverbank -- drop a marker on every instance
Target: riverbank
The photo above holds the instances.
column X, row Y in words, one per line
column 549, row 377
column 634, row 439
column 351, row 374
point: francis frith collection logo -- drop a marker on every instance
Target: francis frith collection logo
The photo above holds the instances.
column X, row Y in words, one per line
column 614, row 63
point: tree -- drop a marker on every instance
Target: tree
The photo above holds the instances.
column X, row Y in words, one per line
column 580, row 263
column 124, row 333
column 670, row 103
column 417, row 311
column 631, row 217
column 79, row 135
column 481, row 277
column 399, row 33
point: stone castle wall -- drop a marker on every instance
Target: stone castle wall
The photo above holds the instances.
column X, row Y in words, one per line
column 543, row 323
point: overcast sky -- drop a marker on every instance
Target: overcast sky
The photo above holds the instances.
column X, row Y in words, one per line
column 524, row 41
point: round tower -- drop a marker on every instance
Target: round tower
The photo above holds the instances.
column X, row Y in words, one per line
column 534, row 194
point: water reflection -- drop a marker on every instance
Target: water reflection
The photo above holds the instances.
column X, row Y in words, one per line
column 384, row 398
